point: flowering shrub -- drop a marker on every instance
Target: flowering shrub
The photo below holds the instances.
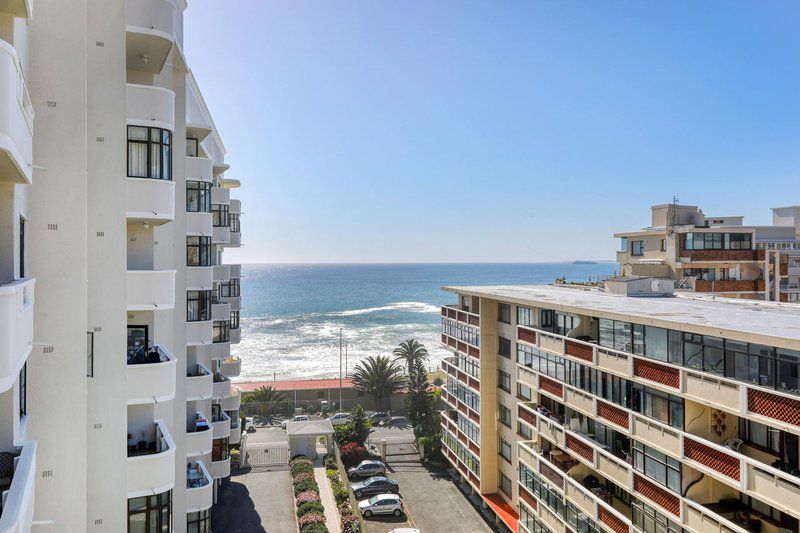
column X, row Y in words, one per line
column 300, row 467
column 350, row 523
column 330, row 462
column 339, row 492
column 306, row 485
column 352, row 453
column 309, row 519
column 305, row 497
column 302, row 476
column 309, row 507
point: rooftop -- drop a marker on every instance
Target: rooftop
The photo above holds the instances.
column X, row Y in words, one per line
column 309, row 427
column 296, row 384
column 769, row 322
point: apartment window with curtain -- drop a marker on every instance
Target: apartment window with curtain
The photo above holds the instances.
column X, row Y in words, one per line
column 192, row 147
column 199, row 522
column 505, row 415
column 637, row 247
column 23, row 390
column 235, row 223
column 504, row 347
column 150, row 514
column 234, row 319
column 198, row 197
column 149, row 153
column 505, row 450
column 504, row 313
column 221, row 331
column 198, row 306
column 524, row 431
column 198, row 251
column 524, row 316
column 220, row 215
column 523, row 392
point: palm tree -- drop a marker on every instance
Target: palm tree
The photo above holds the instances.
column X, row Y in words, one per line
column 410, row 351
column 264, row 395
column 379, row 377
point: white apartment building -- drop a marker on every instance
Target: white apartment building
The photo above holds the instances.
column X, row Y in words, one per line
column 115, row 207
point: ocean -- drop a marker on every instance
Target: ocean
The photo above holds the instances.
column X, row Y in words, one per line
column 292, row 314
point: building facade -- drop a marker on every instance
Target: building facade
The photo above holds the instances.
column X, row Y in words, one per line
column 717, row 255
column 580, row 410
column 116, row 208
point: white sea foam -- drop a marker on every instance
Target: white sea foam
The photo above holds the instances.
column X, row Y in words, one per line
column 411, row 307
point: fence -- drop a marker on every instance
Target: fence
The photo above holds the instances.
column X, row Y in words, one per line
column 288, row 408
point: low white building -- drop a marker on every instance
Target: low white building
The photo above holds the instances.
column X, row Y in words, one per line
column 304, row 436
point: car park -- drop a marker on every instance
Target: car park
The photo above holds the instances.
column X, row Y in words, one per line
column 375, row 485
column 366, row 468
column 249, row 425
column 381, row 504
column 297, row 418
column 339, row 419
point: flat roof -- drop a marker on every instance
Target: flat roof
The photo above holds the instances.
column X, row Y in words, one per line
column 773, row 323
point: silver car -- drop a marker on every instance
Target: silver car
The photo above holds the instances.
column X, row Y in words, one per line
column 366, row 469
column 381, row 504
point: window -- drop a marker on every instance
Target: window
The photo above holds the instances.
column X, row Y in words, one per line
column 524, row 316
column 663, row 245
column 235, row 224
column 649, row 520
column 718, row 241
column 565, row 323
column 138, row 341
column 546, row 319
column 524, row 431
column 523, row 392
column 198, row 522
column 229, row 289
column 220, row 216
column 219, row 449
column 234, row 319
column 221, row 331
column 760, row 435
column 150, row 514
column 23, row 390
column 504, row 380
column 198, row 197
column 504, row 347
column 657, row 466
column 149, row 153
column 658, row 405
column 637, row 247
column 89, row 354
column 505, row 414
column 465, row 303
column 191, row 147
column 198, row 251
column 703, row 352
column 504, row 313
column 505, row 450
column 580, row 521
column 505, row 484
column 198, row 306
column 623, row 244
column 470, row 428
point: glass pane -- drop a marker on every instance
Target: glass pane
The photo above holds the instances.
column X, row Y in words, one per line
column 137, row 133
column 137, row 160
column 167, row 151
column 155, row 161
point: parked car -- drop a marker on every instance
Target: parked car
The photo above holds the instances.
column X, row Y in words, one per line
column 375, row 485
column 298, row 418
column 405, row 530
column 366, row 468
column 379, row 418
column 339, row 418
column 249, row 425
column 381, row 504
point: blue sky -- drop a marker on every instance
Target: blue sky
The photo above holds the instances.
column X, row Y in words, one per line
column 494, row 131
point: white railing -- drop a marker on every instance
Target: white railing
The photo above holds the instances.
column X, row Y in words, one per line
column 16, row 328
column 18, row 499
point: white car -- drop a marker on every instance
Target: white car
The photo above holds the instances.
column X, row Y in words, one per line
column 381, row 504
column 249, row 425
column 298, row 418
column 339, row 418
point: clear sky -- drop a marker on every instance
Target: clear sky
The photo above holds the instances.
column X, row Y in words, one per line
column 372, row 131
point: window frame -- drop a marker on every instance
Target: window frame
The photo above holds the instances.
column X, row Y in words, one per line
column 157, row 506
column 203, row 246
column 202, row 191
column 203, row 299
column 165, row 148
column 504, row 313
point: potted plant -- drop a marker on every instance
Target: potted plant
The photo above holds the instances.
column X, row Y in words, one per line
column 142, row 442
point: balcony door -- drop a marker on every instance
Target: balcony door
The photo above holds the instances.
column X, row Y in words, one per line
column 137, row 344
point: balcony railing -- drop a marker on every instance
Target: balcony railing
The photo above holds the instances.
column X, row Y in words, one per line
column 16, row 119
column 199, row 383
column 151, row 466
column 150, row 375
column 16, row 329
column 199, row 436
column 17, row 501
column 199, row 491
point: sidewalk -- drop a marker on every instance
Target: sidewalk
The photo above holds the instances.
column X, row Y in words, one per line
column 326, row 497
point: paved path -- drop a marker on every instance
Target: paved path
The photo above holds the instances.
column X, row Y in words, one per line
column 326, row 497
column 260, row 502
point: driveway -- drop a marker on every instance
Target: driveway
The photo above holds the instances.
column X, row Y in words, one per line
column 255, row 503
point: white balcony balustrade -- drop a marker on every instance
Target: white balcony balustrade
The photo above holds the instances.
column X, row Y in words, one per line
column 16, row 120
column 199, row 224
column 232, row 402
column 199, row 169
column 151, row 470
column 148, row 105
column 150, row 200
column 199, row 436
column 199, row 488
column 220, row 195
column 232, row 366
column 151, row 376
column 222, row 273
column 235, row 336
column 16, row 511
column 199, row 333
column 221, row 235
column 222, row 386
column 222, row 426
column 199, row 278
column 16, row 329
column 152, row 26
column 151, row 290
column 235, row 271
column 199, row 383
column 221, row 469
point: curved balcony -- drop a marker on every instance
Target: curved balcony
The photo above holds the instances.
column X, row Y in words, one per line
column 235, row 206
column 236, row 271
column 221, row 311
column 230, row 183
column 16, row 120
column 153, row 379
column 231, row 367
column 151, row 290
column 222, row 426
column 199, row 278
column 199, row 333
column 18, row 498
column 220, row 195
column 235, row 335
column 199, row 169
column 152, row 471
column 221, row 469
column 233, row 402
column 221, row 350
column 235, row 301
column 148, row 105
column 199, row 488
column 151, row 27
column 199, row 383
column 222, row 273
column 236, row 434
column 222, row 387
column 197, row 130
column 235, row 239
column 221, row 235
column 150, row 200
column 199, row 436
column 16, row 329
column 199, row 224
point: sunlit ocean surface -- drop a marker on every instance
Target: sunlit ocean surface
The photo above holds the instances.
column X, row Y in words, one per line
column 292, row 314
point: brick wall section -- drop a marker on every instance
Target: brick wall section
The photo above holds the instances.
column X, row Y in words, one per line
column 612, row 414
column 656, row 494
column 451, row 342
column 463, row 438
column 474, row 448
column 581, row 351
column 475, row 384
column 526, row 416
column 444, row 311
column 579, row 447
column 716, row 460
column 444, row 338
column 526, row 335
column 462, row 347
column 553, row 387
column 475, row 479
column 462, row 317
column 611, row 520
column 462, row 407
column 774, row 406
column 462, row 377
column 665, row 375
column 729, row 285
column 475, row 417
column 451, row 313
column 474, row 321
column 526, row 497
column 474, row 352
column 552, row 475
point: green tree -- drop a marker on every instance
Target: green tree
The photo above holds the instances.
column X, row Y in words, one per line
column 356, row 430
column 410, row 351
column 417, row 397
column 264, row 394
column 379, row 377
